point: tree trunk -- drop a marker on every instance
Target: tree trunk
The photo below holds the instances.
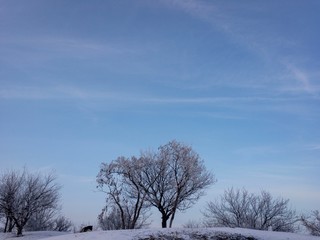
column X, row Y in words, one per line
column 164, row 220
column 171, row 219
column 6, row 225
column 11, row 225
column 174, row 209
column 164, row 223
column 19, row 230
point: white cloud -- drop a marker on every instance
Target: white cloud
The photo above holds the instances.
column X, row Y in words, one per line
column 24, row 93
column 67, row 44
column 65, row 92
column 314, row 147
column 198, row 9
column 268, row 45
column 301, row 80
column 58, row 92
column 24, row 54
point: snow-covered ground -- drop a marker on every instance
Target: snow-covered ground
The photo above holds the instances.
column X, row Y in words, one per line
column 148, row 234
column 32, row 235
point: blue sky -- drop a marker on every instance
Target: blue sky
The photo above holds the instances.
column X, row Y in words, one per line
column 83, row 82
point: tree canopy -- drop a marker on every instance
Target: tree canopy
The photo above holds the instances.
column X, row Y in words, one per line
column 239, row 208
column 24, row 194
column 170, row 179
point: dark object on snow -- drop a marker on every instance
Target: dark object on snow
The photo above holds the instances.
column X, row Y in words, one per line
column 86, row 229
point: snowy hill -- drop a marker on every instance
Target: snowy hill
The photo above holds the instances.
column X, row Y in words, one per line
column 164, row 234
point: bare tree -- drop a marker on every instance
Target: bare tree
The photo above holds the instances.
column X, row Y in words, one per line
column 9, row 186
column 62, row 224
column 171, row 179
column 120, row 180
column 110, row 218
column 174, row 178
column 239, row 208
column 48, row 220
column 312, row 223
column 24, row 194
column 41, row 220
column 193, row 224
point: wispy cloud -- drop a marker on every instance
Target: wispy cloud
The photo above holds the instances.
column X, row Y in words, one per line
column 23, row 93
column 88, row 99
column 313, row 147
column 300, row 80
column 61, row 91
column 68, row 44
column 198, row 9
column 58, row 92
column 268, row 45
column 214, row 100
column 208, row 12
column 23, row 52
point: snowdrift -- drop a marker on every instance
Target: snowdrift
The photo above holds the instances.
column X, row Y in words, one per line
column 164, row 234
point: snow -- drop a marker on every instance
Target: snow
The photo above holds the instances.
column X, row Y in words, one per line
column 174, row 233
column 32, row 235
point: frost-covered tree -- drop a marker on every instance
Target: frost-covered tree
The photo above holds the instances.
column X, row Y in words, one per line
column 120, row 181
column 312, row 223
column 41, row 220
column 62, row 224
column 170, row 179
column 9, row 185
column 48, row 220
column 193, row 224
column 110, row 218
column 174, row 179
column 22, row 195
column 239, row 208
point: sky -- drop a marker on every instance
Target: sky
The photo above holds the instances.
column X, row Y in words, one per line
column 83, row 82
